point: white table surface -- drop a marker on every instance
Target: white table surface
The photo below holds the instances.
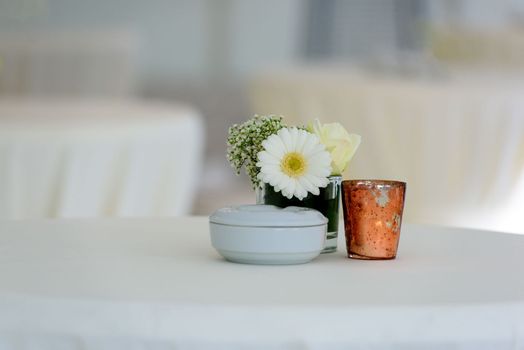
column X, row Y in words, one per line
column 158, row 283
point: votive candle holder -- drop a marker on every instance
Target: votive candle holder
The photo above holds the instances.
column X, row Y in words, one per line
column 372, row 217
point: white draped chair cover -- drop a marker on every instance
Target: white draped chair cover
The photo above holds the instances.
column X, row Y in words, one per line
column 459, row 143
column 97, row 159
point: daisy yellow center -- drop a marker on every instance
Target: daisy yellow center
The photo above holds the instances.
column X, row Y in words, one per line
column 293, row 164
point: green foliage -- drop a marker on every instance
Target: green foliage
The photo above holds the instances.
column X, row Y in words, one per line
column 245, row 142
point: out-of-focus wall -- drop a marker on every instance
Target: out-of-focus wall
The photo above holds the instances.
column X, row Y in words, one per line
column 484, row 14
column 178, row 39
column 202, row 52
column 67, row 64
column 199, row 52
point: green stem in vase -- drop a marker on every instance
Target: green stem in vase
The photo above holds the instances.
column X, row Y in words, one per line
column 327, row 202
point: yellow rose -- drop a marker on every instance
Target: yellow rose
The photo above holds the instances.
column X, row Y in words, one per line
column 338, row 142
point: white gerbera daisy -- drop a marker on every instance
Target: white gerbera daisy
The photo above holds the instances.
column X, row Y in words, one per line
column 294, row 162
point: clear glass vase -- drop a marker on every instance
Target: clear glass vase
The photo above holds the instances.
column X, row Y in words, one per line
column 327, row 202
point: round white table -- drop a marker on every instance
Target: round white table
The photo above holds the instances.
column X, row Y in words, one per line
column 97, row 158
column 456, row 140
column 158, row 284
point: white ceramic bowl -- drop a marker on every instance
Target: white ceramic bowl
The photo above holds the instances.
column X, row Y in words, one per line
column 265, row 234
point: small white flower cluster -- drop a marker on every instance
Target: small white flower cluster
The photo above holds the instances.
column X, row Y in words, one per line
column 245, row 142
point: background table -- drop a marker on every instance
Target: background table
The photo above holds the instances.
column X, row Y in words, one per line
column 456, row 138
column 97, row 158
column 158, row 284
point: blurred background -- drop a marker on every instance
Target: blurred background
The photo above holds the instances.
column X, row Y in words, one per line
column 121, row 108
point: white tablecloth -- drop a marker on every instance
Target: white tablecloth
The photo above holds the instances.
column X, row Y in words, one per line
column 158, row 284
column 92, row 158
column 458, row 141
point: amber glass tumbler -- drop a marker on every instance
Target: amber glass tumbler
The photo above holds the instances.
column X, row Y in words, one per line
column 372, row 217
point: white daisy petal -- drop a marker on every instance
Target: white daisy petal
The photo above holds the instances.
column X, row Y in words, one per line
column 314, row 180
column 301, row 140
column 267, row 158
column 319, row 172
column 274, row 143
column 293, row 133
column 308, row 186
column 285, row 136
column 319, row 161
column 286, row 193
column 272, row 179
column 275, row 151
column 283, row 182
column 318, row 148
column 322, row 171
column 302, row 193
column 292, row 186
column 275, row 146
column 324, row 182
column 309, row 145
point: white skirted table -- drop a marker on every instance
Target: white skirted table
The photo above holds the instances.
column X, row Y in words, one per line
column 158, row 284
column 457, row 140
column 97, row 158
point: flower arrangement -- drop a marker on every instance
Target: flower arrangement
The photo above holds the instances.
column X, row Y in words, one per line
column 295, row 161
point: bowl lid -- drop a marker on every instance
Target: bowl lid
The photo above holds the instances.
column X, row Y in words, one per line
column 267, row 216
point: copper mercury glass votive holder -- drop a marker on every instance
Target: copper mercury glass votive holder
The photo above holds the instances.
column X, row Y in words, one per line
column 372, row 217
